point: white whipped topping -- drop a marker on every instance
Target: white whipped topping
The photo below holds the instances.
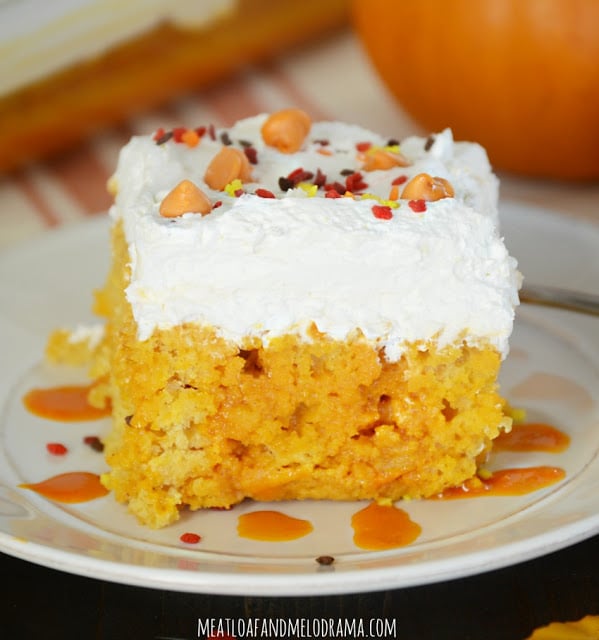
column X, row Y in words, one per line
column 40, row 37
column 265, row 267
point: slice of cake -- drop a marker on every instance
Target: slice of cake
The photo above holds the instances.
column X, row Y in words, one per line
column 300, row 310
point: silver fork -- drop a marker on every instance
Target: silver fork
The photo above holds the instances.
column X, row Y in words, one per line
column 550, row 296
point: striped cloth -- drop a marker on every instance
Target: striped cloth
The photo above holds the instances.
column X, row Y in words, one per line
column 330, row 80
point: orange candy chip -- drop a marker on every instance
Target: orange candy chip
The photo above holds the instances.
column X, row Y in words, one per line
column 186, row 197
column 426, row 187
column 227, row 165
column 286, row 130
column 383, row 159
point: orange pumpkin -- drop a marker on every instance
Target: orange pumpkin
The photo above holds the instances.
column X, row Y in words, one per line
column 519, row 76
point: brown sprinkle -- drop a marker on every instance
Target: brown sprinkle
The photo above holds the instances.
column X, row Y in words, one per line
column 325, row 560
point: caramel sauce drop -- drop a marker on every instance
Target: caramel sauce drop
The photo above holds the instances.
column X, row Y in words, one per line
column 73, row 487
column 534, row 436
column 506, row 482
column 272, row 526
column 378, row 527
column 65, row 403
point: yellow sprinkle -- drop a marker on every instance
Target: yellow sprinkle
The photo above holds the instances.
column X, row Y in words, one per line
column 309, row 188
column 517, row 414
column 233, row 186
column 392, row 148
column 484, row 474
column 387, row 203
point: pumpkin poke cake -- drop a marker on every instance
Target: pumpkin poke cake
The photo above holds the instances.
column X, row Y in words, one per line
column 300, row 310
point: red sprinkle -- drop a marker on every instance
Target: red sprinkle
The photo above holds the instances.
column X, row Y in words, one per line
column 418, row 206
column 355, row 183
column 400, row 180
column 363, row 146
column 335, row 186
column 212, row 132
column 190, row 538
column 200, row 131
column 251, row 154
column 159, row 133
column 319, row 179
column 265, row 193
column 178, row 133
column 56, row 449
column 299, row 175
column 217, row 204
column 332, row 193
column 382, row 212
column 239, row 193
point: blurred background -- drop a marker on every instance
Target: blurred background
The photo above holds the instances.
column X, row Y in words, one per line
column 78, row 77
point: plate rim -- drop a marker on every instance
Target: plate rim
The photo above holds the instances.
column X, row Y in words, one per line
column 318, row 581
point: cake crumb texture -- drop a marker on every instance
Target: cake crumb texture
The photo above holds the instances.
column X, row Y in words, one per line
column 200, row 421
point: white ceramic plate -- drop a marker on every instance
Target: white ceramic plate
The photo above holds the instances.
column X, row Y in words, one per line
column 552, row 371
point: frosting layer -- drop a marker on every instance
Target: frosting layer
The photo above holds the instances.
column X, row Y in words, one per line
column 261, row 266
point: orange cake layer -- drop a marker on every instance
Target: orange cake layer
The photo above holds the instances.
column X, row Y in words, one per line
column 201, row 422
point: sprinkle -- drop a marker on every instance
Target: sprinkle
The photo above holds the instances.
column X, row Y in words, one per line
column 234, row 188
column 190, row 538
column 164, row 137
column 56, row 449
column 201, row 131
column 430, row 141
column 212, row 132
column 217, row 204
column 128, row 419
column 363, row 146
column 400, row 180
column 94, row 442
column 264, row 193
column 382, row 212
column 225, row 138
column 190, row 138
column 393, row 143
column 324, row 152
column 335, row 186
column 320, row 178
column 484, row 474
column 300, row 175
column 310, row 189
column 251, row 154
column 325, row 560
column 418, row 206
column 322, row 141
column 178, row 133
column 392, row 204
column 285, row 184
column 394, row 193
column 355, row 182
column 346, row 172
column 332, row 193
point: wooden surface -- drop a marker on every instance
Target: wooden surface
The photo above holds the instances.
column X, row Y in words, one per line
column 504, row 604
